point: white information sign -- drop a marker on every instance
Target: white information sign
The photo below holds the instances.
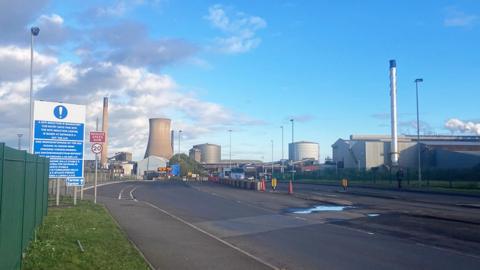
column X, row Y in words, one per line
column 59, row 134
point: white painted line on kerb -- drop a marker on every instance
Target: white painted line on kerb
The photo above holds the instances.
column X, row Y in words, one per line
column 131, row 194
column 213, row 236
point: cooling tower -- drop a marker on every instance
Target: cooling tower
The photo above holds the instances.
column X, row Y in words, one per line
column 104, row 155
column 159, row 140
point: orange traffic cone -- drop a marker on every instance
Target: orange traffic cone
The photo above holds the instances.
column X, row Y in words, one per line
column 290, row 187
column 263, row 185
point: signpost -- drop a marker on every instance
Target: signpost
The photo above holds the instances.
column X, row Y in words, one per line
column 59, row 134
column 96, row 138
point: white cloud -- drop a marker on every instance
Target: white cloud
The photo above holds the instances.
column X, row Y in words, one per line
column 457, row 125
column 15, row 62
column 239, row 30
column 457, row 18
column 53, row 19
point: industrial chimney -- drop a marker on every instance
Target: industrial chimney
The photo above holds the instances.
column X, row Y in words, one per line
column 104, row 155
column 159, row 140
column 393, row 100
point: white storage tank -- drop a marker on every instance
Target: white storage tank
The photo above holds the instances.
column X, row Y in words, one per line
column 302, row 150
column 209, row 153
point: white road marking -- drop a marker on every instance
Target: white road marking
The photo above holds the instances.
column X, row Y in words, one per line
column 121, row 191
column 301, row 218
column 131, row 194
column 213, row 236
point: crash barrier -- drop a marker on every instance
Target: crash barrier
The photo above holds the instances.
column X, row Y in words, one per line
column 242, row 184
column 23, row 202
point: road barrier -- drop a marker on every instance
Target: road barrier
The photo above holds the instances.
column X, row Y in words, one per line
column 23, row 202
column 242, row 184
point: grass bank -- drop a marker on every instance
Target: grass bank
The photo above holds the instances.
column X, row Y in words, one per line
column 105, row 246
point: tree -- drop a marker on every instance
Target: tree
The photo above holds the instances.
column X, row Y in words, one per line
column 187, row 164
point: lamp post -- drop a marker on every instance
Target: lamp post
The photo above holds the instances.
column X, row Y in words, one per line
column 272, row 158
column 282, row 152
column 419, row 80
column 179, row 138
column 34, row 31
column 19, row 141
column 290, row 185
column 230, row 148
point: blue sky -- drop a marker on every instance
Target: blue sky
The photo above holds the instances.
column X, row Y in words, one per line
column 250, row 66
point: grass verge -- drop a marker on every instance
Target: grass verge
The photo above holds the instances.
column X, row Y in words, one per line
column 105, row 246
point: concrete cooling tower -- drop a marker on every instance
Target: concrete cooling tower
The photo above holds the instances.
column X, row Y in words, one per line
column 159, row 138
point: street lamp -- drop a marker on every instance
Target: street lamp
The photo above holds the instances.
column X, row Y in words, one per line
column 419, row 80
column 230, row 149
column 179, row 138
column 19, row 141
column 290, row 185
column 272, row 158
column 34, row 32
column 282, row 151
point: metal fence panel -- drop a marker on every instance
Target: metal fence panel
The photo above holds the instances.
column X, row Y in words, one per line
column 23, row 202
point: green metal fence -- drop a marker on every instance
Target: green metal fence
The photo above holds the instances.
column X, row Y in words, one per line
column 23, row 202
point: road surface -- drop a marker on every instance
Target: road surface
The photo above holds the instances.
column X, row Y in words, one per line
column 178, row 225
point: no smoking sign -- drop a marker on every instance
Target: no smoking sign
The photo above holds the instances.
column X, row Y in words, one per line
column 97, row 148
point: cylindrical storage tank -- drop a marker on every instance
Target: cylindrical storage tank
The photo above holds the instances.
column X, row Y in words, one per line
column 195, row 154
column 159, row 140
column 209, row 153
column 302, row 150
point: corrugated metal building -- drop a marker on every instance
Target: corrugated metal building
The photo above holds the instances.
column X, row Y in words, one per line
column 369, row 151
column 209, row 153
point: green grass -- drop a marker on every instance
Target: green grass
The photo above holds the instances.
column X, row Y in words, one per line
column 106, row 247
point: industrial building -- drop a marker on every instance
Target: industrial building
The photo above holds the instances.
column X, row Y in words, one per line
column 442, row 152
column 301, row 150
column 151, row 163
column 159, row 138
column 206, row 153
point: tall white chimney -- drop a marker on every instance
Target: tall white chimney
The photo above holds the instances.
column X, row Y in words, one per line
column 393, row 100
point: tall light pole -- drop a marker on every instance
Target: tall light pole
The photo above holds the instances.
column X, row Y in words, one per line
column 272, row 157
column 19, row 141
column 34, row 31
column 282, row 151
column 290, row 185
column 179, row 138
column 230, row 149
column 419, row 80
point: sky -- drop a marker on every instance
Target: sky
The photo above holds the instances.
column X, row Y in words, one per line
column 245, row 66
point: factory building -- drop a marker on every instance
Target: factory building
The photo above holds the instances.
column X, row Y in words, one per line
column 370, row 151
column 195, row 154
column 159, row 138
column 206, row 153
column 298, row 151
column 151, row 163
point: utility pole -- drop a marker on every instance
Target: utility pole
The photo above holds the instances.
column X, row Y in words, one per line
column 290, row 185
column 419, row 156
column 282, row 152
column 272, row 158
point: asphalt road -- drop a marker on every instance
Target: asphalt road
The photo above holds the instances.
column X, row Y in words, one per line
column 179, row 225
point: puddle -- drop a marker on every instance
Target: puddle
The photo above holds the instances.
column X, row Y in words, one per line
column 320, row 208
column 373, row 215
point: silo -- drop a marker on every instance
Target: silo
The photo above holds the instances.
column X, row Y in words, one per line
column 302, row 150
column 159, row 140
column 209, row 153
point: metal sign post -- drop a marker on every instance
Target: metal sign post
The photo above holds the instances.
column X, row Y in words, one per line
column 96, row 138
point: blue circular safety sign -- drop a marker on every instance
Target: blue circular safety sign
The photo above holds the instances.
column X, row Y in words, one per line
column 60, row 112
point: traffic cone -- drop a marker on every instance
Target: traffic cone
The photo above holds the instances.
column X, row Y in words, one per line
column 263, row 185
column 290, row 187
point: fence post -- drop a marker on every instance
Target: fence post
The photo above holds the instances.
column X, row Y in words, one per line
column 25, row 159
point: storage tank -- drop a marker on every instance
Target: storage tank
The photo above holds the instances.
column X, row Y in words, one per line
column 159, row 140
column 209, row 153
column 302, row 150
